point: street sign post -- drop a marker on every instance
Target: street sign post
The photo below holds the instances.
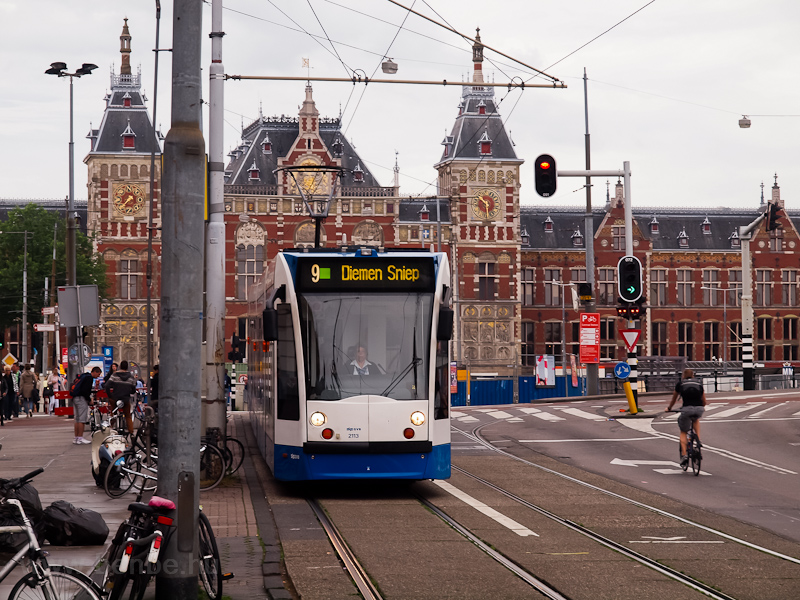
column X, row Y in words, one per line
column 44, row 326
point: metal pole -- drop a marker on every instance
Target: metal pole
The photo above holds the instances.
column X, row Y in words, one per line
column 214, row 406
column 633, row 361
column 725, row 325
column 56, row 340
column 182, row 304
column 25, row 301
column 72, row 274
column 564, row 338
column 150, row 212
column 45, row 335
column 747, row 314
column 592, row 369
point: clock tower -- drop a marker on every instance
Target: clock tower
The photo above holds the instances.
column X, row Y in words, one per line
column 119, row 199
column 479, row 173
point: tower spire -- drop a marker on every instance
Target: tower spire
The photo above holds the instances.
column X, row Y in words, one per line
column 477, row 58
column 125, row 49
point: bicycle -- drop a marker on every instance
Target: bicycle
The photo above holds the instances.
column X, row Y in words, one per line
column 45, row 581
column 134, row 552
column 233, row 450
column 693, row 450
column 130, row 467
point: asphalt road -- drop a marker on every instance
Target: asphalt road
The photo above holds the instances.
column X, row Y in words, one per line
column 751, row 456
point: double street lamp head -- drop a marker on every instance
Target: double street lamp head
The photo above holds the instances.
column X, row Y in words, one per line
column 60, row 69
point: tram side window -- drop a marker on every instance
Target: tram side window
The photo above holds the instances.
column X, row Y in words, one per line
column 441, row 402
column 288, row 390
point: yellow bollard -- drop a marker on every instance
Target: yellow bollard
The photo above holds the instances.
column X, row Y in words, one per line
column 629, row 396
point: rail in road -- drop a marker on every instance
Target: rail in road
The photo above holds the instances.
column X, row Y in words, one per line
column 559, row 531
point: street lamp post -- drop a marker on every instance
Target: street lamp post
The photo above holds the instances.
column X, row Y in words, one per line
column 724, row 318
column 73, row 335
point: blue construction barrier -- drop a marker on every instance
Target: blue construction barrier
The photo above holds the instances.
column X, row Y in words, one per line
column 501, row 391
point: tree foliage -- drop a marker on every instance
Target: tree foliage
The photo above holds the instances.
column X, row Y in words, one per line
column 40, row 225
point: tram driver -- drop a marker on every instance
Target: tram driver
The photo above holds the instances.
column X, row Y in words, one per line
column 361, row 366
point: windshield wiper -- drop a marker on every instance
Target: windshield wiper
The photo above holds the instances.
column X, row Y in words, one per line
column 415, row 361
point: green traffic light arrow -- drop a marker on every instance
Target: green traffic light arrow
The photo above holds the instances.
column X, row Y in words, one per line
column 631, row 289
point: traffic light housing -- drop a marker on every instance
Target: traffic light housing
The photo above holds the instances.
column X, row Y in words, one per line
column 772, row 216
column 629, row 278
column 544, row 171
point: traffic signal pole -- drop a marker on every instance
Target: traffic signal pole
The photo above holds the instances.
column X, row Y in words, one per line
column 745, row 235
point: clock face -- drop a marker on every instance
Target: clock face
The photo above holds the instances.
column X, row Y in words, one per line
column 485, row 204
column 128, row 198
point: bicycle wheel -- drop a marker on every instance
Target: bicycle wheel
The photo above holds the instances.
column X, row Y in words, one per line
column 696, row 456
column 235, row 449
column 122, row 474
column 65, row 582
column 212, row 467
column 210, row 566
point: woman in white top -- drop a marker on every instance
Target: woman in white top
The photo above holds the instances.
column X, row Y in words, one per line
column 54, row 383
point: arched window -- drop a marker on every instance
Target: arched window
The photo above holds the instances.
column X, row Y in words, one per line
column 249, row 265
column 129, row 275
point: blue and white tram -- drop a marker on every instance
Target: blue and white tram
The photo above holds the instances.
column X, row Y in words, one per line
column 348, row 365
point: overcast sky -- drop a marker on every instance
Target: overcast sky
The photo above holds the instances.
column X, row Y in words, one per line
column 666, row 87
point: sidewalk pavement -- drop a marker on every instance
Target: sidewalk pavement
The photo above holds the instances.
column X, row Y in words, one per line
column 237, row 509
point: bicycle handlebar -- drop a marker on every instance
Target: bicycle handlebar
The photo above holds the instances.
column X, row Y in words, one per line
column 18, row 482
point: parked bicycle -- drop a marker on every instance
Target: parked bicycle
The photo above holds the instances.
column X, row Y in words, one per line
column 133, row 556
column 43, row 581
column 232, row 449
column 693, row 450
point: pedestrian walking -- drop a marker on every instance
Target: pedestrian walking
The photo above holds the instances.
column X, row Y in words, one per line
column 53, row 386
column 81, row 393
column 14, row 398
column 27, row 385
column 114, row 367
column 122, row 386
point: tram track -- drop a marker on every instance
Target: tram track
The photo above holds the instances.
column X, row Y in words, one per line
column 477, row 438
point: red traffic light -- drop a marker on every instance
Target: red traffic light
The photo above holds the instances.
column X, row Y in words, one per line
column 544, row 165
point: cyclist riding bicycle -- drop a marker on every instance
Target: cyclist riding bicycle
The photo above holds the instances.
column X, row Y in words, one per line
column 694, row 400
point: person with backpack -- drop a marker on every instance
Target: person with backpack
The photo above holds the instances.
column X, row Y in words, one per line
column 122, row 386
column 81, row 392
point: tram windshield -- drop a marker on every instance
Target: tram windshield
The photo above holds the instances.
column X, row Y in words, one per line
column 376, row 344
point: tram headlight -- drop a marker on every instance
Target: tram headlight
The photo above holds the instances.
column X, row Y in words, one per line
column 318, row 419
column 417, row 418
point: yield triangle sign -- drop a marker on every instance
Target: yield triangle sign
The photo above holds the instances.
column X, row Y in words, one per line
column 630, row 336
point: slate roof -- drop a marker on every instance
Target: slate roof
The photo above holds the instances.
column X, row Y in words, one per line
column 409, row 210
column 49, row 204
column 282, row 132
column 107, row 139
column 671, row 222
column 470, row 127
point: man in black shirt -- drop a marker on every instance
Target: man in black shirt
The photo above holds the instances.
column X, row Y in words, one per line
column 694, row 400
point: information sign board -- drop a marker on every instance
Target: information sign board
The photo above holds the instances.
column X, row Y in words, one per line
column 590, row 337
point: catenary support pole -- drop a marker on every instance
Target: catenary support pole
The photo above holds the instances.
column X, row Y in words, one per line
column 72, row 273
column 214, row 405
column 748, row 374
column 182, row 304
column 633, row 361
column 592, row 369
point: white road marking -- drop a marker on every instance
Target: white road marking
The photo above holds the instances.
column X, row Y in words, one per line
column 456, row 414
column 529, row 410
column 499, row 414
column 548, row 417
column 646, row 426
column 675, row 471
column 505, row 521
column 766, row 410
column 576, row 412
column 468, row 419
column 678, row 539
column 641, row 439
column 515, row 420
column 636, row 463
column 735, row 410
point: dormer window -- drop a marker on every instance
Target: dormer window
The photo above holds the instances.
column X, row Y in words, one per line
column 548, row 225
column 577, row 238
column 460, row 108
column 485, row 144
column 481, row 108
column 653, row 225
column 683, row 239
column 447, row 142
column 734, row 239
column 424, row 213
column 126, row 100
column 228, row 176
column 337, row 147
column 266, row 145
column 358, row 174
column 524, row 237
column 128, row 138
column 706, row 226
column 255, row 173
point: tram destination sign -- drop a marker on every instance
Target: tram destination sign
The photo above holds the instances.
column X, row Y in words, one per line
column 365, row 274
